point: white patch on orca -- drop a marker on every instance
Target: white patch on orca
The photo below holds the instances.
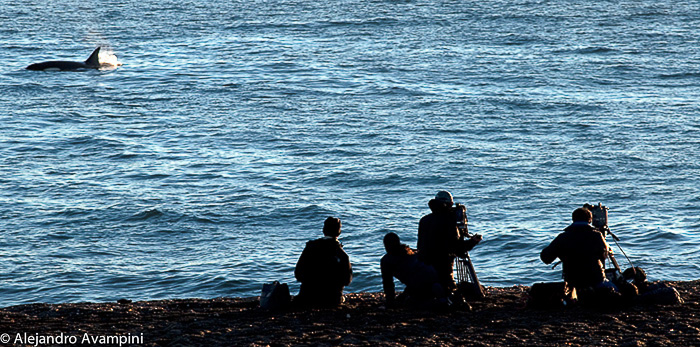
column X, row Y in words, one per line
column 108, row 59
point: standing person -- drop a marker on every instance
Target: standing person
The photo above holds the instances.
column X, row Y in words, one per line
column 400, row 261
column 582, row 250
column 439, row 240
column 323, row 269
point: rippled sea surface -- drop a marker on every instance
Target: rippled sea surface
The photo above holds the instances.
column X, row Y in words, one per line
column 202, row 165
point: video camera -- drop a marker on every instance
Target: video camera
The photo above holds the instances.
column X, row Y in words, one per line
column 460, row 212
column 600, row 217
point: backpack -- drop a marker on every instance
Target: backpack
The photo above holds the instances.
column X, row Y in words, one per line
column 275, row 296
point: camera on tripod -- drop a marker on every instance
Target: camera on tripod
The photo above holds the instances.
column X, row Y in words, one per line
column 466, row 240
column 600, row 217
column 460, row 212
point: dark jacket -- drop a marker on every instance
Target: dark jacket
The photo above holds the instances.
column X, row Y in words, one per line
column 420, row 279
column 439, row 242
column 324, row 270
column 582, row 251
column 438, row 236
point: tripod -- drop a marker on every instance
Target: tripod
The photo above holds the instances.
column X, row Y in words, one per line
column 466, row 275
column 600, row 221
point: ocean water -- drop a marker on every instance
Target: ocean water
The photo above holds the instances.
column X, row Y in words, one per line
column 202, row 165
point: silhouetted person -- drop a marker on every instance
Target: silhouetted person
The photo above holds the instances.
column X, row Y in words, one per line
column 421, row 280
column 323, row 269
column 582, row 250
column 439, row 241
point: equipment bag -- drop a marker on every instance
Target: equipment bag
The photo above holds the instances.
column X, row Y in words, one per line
column 549, row 295
column 275, row 296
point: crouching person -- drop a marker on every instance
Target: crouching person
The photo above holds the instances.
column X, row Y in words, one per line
column 323, row 269
column 582, row 250
column 422, row 287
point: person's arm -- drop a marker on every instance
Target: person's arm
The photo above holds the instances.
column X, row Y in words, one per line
column 388, row 282
column 347, row 268
column 300, row 271
column 422, row 244
column 471, row 242
column 349, row 273
column 604, row 249
column 550, row 253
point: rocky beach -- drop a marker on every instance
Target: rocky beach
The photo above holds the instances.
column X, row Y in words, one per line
column 501, row 319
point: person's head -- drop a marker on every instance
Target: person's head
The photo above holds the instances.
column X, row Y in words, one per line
column 582, row 214
column 444, row 197
column 331, row 227
column 393, row 245
column 391, row 242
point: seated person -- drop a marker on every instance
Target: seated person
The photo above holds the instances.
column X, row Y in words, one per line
column 421, row 280
column 323, row 269
column 582, row 250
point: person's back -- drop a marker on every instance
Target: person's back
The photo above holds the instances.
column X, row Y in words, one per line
column 439, row 240
column 323, row 269
column 408, row 269
column 402, row 262
column 437, row 233
column 582, row 251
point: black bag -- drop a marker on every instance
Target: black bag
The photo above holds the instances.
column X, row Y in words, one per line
column 550, row 295
column 661, row 294
column 275, row 296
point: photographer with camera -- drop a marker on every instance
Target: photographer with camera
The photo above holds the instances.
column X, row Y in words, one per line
column 582, row 250
column 439, row 239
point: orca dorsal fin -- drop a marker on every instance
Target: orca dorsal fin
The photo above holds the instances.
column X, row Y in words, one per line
column 94, row 59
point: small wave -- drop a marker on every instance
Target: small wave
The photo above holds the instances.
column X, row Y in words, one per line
column 123, row 156
column 156, row 214
column 63, row 256
column 203, row 220
column 59, row 236
column 147, row 176
column 369, row 21
column 312, row 210
column 587, row 50
column 145, row 215
column 664, row 236
column 682, row 75
column 71, row 212
column 517, row 39
column 91, row 144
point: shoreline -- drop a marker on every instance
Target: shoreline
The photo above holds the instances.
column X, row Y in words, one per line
column 498, row 320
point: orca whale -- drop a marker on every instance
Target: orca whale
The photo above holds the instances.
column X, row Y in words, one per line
column 93, row 62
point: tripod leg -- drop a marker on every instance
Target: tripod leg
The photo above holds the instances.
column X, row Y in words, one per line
column 475, row 280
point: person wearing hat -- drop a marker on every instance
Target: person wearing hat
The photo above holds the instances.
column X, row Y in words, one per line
column 323, row 269
column 439, row 241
